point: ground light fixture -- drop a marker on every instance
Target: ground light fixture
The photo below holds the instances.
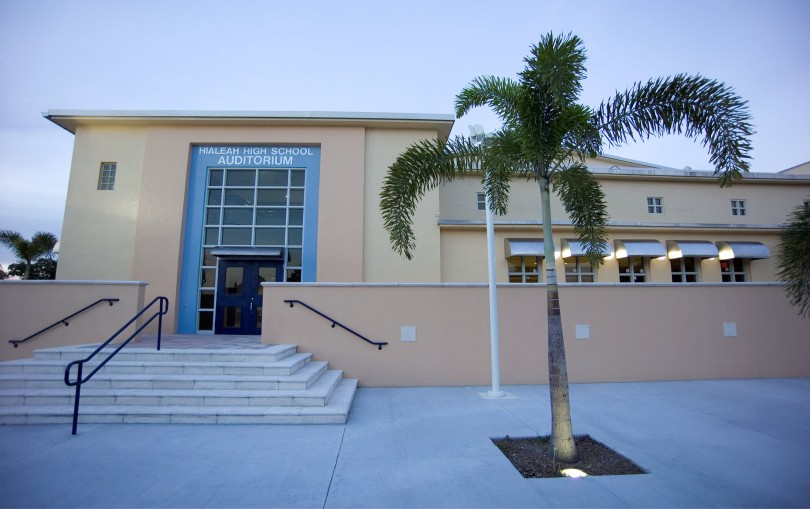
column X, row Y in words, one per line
column 477, row 136
column 573, row 472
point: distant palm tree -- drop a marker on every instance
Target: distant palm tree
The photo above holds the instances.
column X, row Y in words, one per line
column 40, row 245
column 794, row 258
column 546, row 136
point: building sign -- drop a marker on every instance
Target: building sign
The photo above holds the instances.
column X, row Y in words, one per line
column 238, row 156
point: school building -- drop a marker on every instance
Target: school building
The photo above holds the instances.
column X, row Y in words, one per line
column 203, row 207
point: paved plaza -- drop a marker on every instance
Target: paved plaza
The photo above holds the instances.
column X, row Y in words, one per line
column 725, row 443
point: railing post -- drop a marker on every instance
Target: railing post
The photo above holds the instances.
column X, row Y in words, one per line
column 76, row 398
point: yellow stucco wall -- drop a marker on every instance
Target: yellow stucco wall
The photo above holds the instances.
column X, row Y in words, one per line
column 98, row 233
column 381, row 263
column 136, row 231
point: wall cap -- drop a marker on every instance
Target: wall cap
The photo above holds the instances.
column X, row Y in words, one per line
column 519, row 285
column 71, row 282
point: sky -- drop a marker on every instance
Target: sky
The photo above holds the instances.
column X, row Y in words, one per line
column 409, row 56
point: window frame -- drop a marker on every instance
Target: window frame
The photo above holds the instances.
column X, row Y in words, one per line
column 481, row 201
column 577, row 274
column 739, row 207
column 655, row 204
column 733, row 275
column 523, row 273
column 632, row 275
column 682, row 272
column 107, row 172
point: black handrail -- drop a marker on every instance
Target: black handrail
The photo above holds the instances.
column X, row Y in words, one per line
column 163, row 309
column 335, row 322
column 64, row 320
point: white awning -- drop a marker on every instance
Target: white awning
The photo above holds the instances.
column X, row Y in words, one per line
column 573, row 247
column 644, row 248
column 524, row 247
column 248, row 253
column 750, row 250
column 691, row 248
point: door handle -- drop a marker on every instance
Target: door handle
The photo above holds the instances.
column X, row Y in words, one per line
column 251, row 303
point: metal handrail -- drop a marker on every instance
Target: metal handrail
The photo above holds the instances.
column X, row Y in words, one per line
column 64, row 321
column 335, row 322
column 162, row 310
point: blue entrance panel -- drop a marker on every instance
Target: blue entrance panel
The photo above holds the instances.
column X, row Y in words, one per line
column 205, row 225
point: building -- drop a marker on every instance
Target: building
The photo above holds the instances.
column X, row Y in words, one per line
column 202, row 207
column 200, row 203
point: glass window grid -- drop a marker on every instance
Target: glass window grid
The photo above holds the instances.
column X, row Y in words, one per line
column 579, row 270
column 525, row 269
column 685, row 269
column 734, row 270
column 481, row 200
column 633, row 269
column 106, row 176
column 655, row 205
column 214, row 224
column 738, row 208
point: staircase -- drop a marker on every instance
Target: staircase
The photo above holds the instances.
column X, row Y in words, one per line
column 271, row 385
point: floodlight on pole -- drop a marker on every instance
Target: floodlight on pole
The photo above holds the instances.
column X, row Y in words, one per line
column 477, row 136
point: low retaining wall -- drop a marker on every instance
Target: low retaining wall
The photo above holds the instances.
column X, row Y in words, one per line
column 28, row 306
column 634, row 333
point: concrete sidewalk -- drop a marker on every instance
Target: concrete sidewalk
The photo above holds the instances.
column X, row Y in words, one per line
column 728, row 443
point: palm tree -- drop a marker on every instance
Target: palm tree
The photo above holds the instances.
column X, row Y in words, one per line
column 41, row 244
column 794, row 258
column 546, row 136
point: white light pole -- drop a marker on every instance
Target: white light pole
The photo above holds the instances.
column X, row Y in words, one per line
column 477, row 135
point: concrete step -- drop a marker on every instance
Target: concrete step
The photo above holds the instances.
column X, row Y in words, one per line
column 335, row 411
column 302, row 378
column 284, row 366
column 271, row 353
column 316, row 395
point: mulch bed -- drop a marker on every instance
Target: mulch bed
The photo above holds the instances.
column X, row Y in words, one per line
column 530, row 456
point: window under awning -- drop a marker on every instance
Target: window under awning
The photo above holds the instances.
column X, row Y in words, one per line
column 524, row 247
column 750, row 250
column 691, row 248
column 249, row 253
column 573, row 247
column 643, row 248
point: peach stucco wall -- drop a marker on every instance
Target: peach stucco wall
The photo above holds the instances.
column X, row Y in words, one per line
column 29, row 306
column 640, row 332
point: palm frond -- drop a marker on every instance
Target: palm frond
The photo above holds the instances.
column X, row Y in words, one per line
column 500, row 94
column 694, row 106
column 555, row 68
column 42, row 243
column 424, row 166
column 794, row 259
column 16, row 243
column 583, row 199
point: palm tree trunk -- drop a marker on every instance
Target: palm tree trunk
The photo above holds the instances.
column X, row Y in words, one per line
column 562, row 446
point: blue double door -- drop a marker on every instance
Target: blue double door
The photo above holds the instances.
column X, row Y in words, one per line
column 239, row 294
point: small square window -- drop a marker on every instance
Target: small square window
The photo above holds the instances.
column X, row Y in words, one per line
column 655, row 205
column 106, row 177
column 482, row 201
column 738, row 208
